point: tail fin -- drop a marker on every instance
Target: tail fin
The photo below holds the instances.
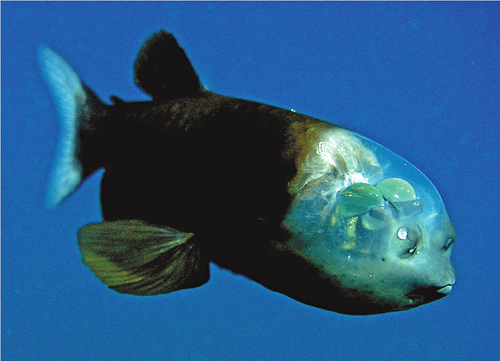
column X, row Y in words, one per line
column 75, row 104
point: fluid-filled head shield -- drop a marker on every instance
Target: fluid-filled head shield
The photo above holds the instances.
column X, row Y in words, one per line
column 372, row 222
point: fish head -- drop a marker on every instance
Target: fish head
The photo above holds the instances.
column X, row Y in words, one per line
column 372, row 225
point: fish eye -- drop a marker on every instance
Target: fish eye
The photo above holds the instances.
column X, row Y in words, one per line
column 449, row 242
column 396, row 190
column 358, row 199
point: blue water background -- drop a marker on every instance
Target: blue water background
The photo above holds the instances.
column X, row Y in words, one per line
column 421, row 78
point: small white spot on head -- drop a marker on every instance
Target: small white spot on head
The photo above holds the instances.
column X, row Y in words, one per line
column 403, row 233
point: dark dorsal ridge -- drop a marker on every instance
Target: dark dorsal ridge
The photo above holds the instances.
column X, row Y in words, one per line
column 163, row 70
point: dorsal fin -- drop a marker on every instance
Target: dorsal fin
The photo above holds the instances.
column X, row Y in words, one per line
column 163, row 70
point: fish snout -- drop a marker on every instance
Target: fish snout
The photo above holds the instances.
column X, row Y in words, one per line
column 445, row 290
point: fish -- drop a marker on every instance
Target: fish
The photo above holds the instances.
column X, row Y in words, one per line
column 304, row 207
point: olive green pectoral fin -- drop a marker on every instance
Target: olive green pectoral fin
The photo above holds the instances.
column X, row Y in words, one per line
column 138, row 258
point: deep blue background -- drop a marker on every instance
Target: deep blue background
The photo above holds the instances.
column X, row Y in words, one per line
column 421, row 78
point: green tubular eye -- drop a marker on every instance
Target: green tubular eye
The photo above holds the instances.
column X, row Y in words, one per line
column 396, row 190
column 359, row 198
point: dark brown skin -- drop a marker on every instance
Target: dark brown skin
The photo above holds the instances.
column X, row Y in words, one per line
column 178, row 164
column 179, row 159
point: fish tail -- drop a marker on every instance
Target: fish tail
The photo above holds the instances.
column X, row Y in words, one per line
column 75, row 104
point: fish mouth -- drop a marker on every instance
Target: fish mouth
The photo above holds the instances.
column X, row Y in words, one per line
column 445, row 290
column 429, row 294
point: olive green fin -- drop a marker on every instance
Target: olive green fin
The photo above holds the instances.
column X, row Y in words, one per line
column 139, row 258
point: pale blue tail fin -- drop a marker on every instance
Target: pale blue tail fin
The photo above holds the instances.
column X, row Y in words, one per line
column 72, row 104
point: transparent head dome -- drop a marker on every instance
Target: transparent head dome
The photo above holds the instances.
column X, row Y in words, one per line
column 371, row 224
column 356, row 194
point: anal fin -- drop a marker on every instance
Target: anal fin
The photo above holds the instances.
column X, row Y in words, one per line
column 138, row 258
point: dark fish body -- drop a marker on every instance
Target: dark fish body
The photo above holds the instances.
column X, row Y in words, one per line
column 297, row 204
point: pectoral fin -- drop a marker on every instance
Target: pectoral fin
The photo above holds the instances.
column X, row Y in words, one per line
column 138, row 258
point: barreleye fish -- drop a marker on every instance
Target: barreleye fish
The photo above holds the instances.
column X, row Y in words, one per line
column 299, row 205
